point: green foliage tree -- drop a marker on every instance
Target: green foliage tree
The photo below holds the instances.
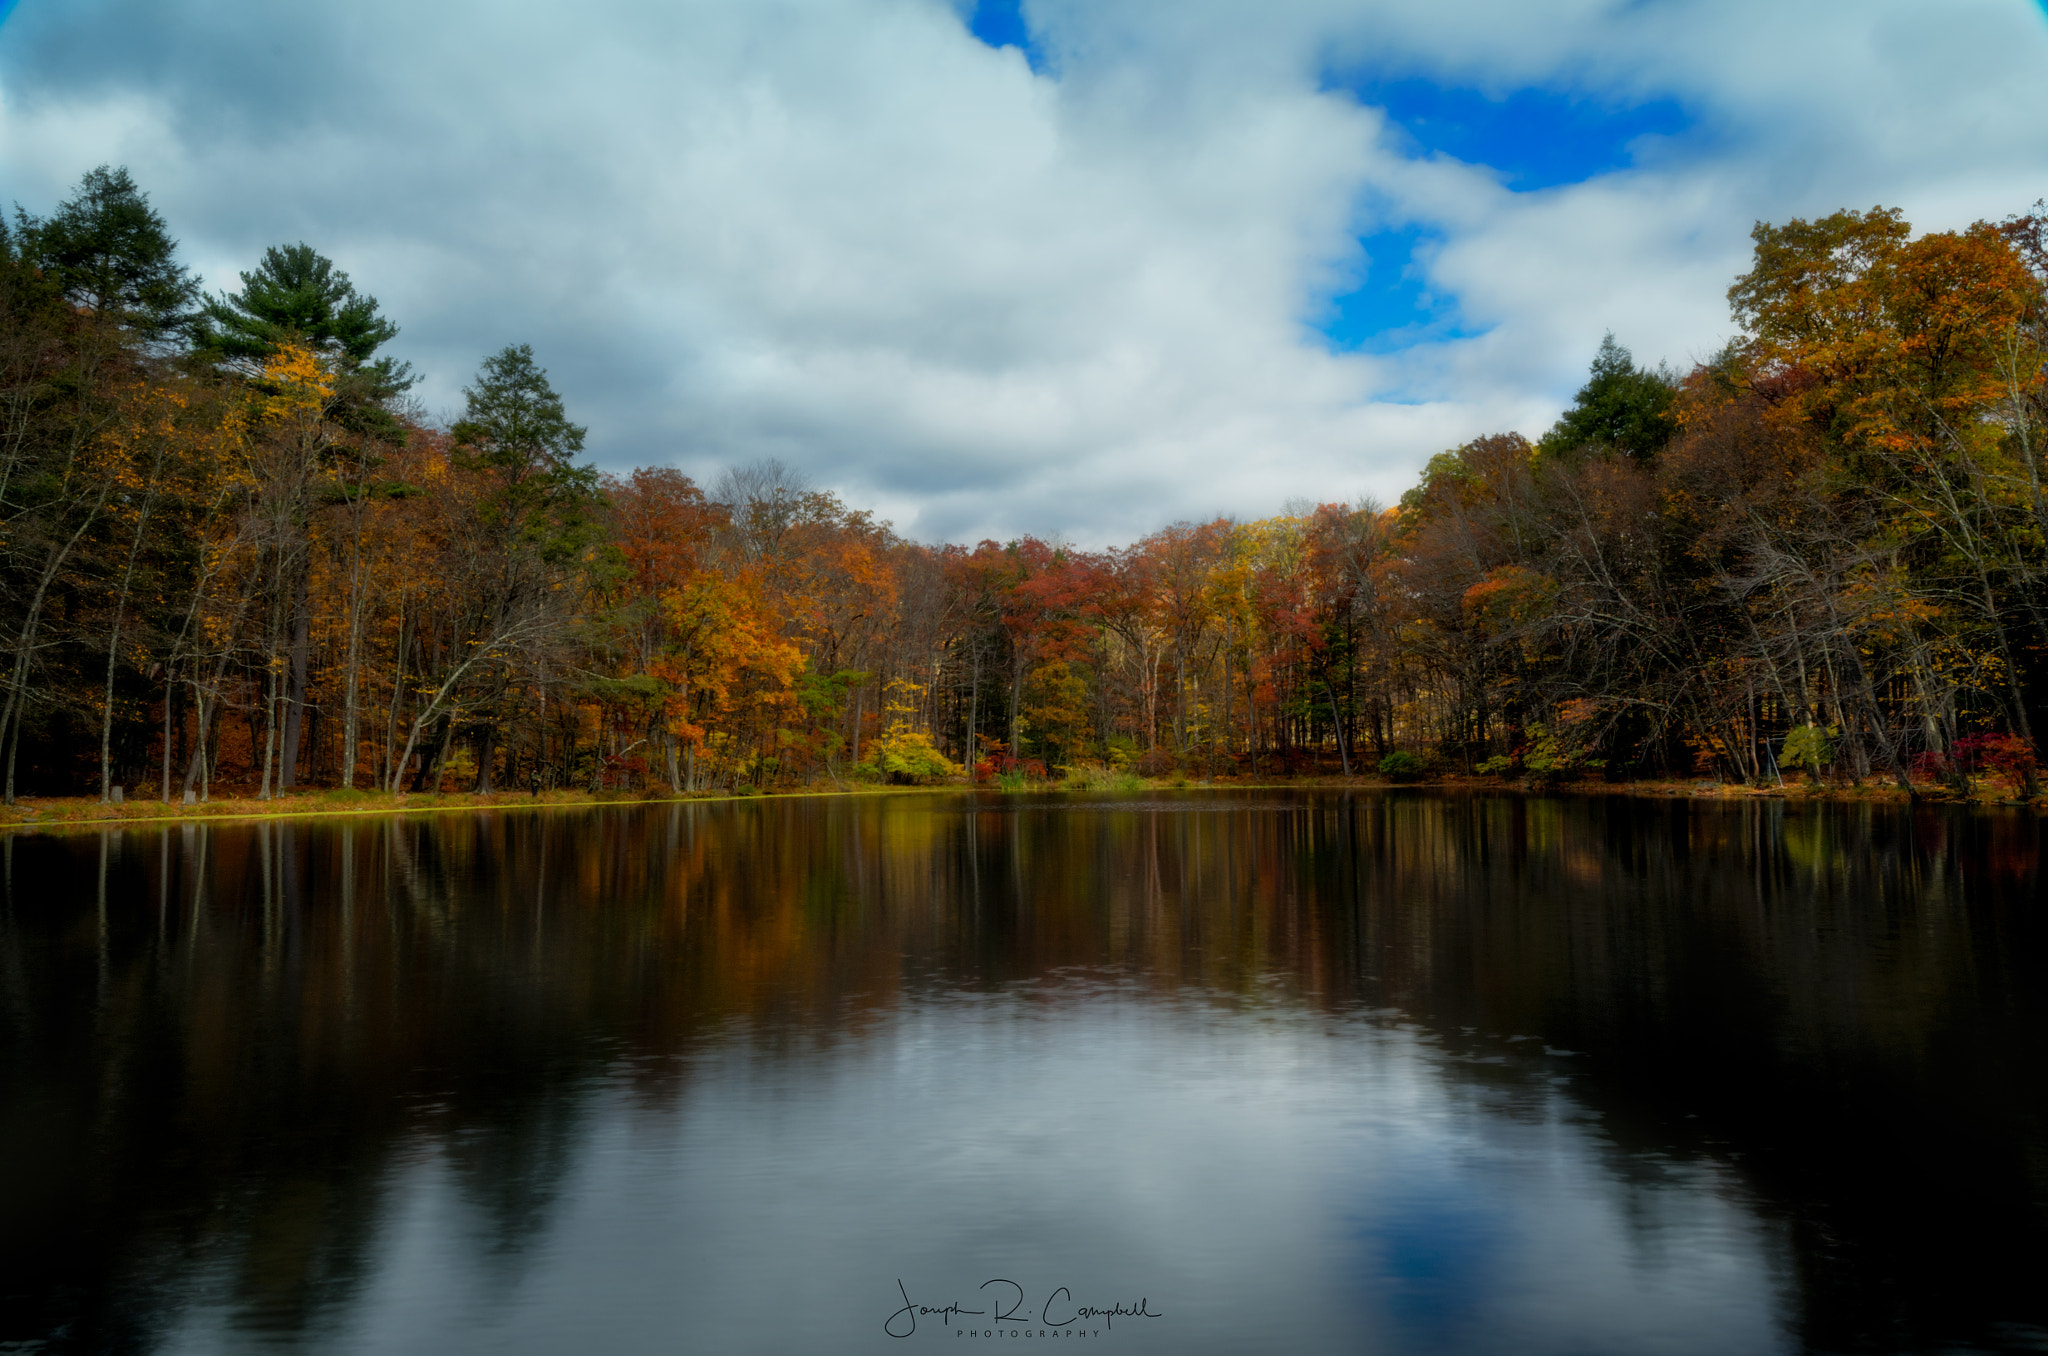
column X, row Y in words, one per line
column 906, row 752
column 1402, row 766
column 514, row 420
column 524, row 539
column 515, row 426
column 1621, row 406
column 297, row 294
column 1809, row 746
column 108, row 251
column 908, row 756
column 1056, row 711
column 297, row 297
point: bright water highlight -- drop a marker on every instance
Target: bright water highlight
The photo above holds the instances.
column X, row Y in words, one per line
column 1311, row 1072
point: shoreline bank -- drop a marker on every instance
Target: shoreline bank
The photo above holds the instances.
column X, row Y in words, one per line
column 53, row 812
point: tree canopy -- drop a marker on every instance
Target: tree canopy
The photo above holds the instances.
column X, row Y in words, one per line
column 108, row 251
column 296, row 295
column 514, row 420
column 1621, row 407
column 1825, row 551
column 516, row 430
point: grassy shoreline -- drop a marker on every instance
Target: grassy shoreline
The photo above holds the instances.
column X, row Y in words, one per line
column 82, row 811
column 47, row 812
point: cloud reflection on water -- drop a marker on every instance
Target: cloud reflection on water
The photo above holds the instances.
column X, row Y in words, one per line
column 1314, row 1072
column 1272, row 1179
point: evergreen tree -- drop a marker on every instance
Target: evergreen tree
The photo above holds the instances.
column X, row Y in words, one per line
column 1622, row 407
column 108, row 251
column 514, row 420
column 516, row 426
column 296, row 293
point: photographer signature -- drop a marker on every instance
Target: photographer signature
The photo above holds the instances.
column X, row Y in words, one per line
column 903, row 1322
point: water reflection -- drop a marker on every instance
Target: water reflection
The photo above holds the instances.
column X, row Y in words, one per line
column 1314, row 1072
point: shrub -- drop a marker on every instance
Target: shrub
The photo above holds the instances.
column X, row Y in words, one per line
column 1552, row 756
column 1155, row 762
column 1015, row 774
column 1097, row 777
column 1936, row 766
column 1402, row 766
column 1809, row 747
column 909, row 756
column 2007, row 756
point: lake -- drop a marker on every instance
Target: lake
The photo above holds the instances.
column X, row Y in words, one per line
column 1193, row 1072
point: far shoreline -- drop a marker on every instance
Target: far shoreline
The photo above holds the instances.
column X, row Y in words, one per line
column 41, row 813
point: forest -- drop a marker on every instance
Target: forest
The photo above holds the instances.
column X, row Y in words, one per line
column 236, row 558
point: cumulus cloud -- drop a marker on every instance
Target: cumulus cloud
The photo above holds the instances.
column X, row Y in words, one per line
column 989, row 299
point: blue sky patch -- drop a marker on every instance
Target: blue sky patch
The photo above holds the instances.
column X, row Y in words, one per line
column 1000, row 23
column 1434, row 1246
column 1391, row 306
column 1535, row 138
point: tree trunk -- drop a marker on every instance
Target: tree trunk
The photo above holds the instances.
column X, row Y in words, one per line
column 441, row 755
column 351, row 729
column 295, row 700
column 271, row 699
column 1337, row 725
column 207, row 699
column 114, row 640
column 107, row 702
column 1016, row 705
column 170, row 703
column 973, row 700
column 393, row 768
column 194, row 760
column 10, row 715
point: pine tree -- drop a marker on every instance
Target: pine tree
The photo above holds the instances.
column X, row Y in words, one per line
column 1621, row 407
column 297, row 295
column 515, row 422
column 109, row 252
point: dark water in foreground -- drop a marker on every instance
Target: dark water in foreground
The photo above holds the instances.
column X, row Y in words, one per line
column 1305, row 1073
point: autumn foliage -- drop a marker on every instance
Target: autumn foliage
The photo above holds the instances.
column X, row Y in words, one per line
column 1823, row 551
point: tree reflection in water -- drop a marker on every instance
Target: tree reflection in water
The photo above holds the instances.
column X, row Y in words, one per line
column 231, row 1052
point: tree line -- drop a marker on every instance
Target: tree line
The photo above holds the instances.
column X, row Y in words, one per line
column 236, row 557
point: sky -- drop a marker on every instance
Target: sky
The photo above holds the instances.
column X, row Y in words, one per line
column 1074, row 268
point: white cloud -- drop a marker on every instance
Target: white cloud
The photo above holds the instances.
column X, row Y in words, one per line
column 848, row 235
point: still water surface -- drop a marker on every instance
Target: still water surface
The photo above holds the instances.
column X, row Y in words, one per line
column 1283, row 1072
